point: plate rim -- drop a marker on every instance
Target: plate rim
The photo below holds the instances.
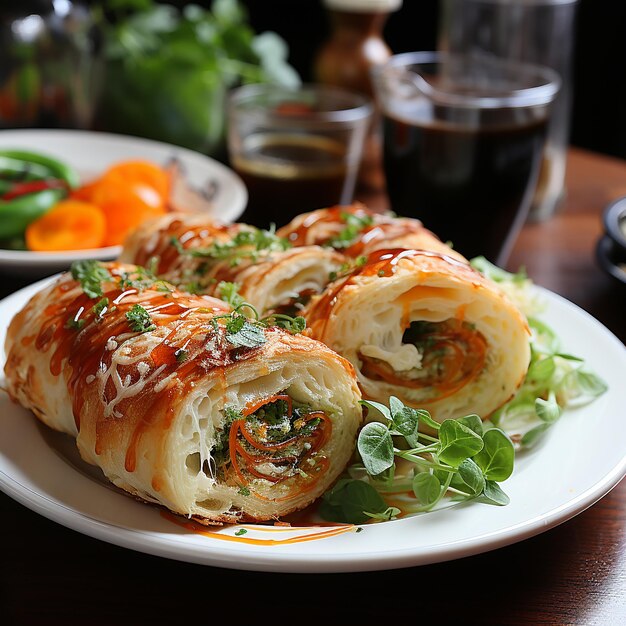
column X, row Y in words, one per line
column 267, row 559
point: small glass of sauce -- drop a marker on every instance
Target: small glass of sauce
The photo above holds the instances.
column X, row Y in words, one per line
column 296, row 149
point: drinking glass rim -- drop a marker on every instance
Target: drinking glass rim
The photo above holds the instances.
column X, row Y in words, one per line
column 524, row 97
column 362, row 109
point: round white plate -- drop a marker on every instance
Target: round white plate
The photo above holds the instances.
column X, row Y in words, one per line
column 581, row 459
column 91, row 153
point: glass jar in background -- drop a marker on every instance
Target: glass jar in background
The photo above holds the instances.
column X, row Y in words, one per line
column 50, row 68
column 530, row 31
column 296, row 149
column 356, row 43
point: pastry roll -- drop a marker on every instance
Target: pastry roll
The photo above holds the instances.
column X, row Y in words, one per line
column 356, row 231
column 180, row 401
column 196, row 255
column 426, row 328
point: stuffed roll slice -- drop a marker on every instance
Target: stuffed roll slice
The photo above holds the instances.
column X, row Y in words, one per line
column 181, row 401
column 425, row 328
column 198, row 256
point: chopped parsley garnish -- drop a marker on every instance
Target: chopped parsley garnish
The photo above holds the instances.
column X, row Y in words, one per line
column 244, row 491
column 246, row 244
column 140, row 279
column 241, row 531
column 181, row 355
column 139, row 319
column 90, row 275
column 241, row 331
column 348, row 267
column 229, row 292
column 74, row 324
column 355, row 224
column 101, row 307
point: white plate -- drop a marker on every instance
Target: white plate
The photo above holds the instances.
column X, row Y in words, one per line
column 91, row 153
column 581, row 459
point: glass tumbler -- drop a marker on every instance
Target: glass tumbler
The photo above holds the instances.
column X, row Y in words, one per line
column 296, row 149
column 463, row 140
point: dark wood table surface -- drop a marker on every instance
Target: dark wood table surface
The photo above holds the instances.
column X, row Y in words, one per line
column 573, row 574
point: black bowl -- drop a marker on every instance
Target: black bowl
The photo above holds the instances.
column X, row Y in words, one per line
column 615, row 225
column 612, row 258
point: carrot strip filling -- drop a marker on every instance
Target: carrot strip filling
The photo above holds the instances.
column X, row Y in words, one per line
column 453, row 354
column 274, row 441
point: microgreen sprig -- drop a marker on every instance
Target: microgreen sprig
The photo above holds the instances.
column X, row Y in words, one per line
column 246, row 329
column 460, row 459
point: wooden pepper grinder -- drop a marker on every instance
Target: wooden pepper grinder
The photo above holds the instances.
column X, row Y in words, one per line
column 345, row 60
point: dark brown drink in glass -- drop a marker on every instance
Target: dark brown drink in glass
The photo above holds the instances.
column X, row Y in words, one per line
column 466, row 185
column 289, row 174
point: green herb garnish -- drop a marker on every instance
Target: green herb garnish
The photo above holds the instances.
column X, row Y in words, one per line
column 241, row 531
column 90, row 275
column 241, row 333
column 461, row 460
column 229, row 292
column 355, row 225
column 100, row 308
column 74, row 324
column 294, row 325
column 555, row 380
column 345, row 269
column 246, row 244
column 139, row 319
column 497, row 274
column 181, row 355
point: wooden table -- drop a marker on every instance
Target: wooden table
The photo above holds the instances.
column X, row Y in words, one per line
column 574, row 574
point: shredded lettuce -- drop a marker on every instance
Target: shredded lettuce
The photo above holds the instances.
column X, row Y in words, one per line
column 555, row 380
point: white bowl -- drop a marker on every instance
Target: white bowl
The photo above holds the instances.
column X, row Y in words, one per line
column 91, row 153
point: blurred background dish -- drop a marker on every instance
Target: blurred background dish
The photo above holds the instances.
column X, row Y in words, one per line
column 216, row 189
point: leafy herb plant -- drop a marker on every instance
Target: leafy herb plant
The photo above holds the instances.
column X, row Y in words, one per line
column 170, row 68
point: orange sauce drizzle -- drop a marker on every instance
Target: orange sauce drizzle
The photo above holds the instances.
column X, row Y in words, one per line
column 222, row 536
column 79, row 354
column 188, row 237
column 320, row 226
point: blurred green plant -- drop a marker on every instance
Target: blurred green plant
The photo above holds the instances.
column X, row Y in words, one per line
column 168, row 70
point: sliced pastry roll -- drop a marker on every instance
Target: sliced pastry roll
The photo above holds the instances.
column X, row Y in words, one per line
column 180, row 401
column 426, row 328
column 197, row 255
column 356, row 231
